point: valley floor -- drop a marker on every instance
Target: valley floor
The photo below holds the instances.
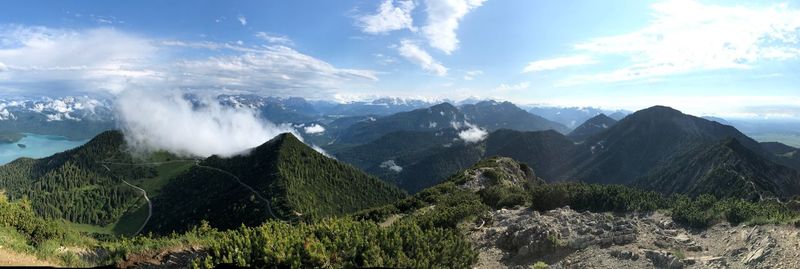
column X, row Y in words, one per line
column 565, row 238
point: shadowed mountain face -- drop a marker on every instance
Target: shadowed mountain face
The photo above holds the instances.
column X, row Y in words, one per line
column 725, row 169
column 644, row 140
column 441, row 116
column 283, row 178
column 591, row 127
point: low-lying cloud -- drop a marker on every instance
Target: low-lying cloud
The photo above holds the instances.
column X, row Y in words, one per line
column 473, row 133
column 200, row 127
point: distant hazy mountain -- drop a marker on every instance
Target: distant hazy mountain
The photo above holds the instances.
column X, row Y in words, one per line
column 441, row 116
column 494, row 115
column 592, row 127
column 78, row 117
column 382, row 106
column 488, row 115
column 274, row 109
column 283, row 178
column 574, row 116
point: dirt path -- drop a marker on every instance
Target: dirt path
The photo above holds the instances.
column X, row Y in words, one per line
column 144, row 193
column 149, row 205
column 269, row 205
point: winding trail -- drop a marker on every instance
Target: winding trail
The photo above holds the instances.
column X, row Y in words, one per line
column 269, row 205
column 197, row 164
column 144, row 193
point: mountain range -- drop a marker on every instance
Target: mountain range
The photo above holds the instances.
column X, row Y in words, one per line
column 647, row 148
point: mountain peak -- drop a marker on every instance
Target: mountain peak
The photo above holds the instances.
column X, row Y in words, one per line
column 660, row 111
column 445, row 106
column 592, row 126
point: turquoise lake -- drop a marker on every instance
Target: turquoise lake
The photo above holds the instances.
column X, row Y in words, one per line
column 36, row 146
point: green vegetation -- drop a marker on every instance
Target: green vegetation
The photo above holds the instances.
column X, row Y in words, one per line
column 23, row 231
column 73, row 185
column 700, row 212
column 283, row 179
column 341, row 243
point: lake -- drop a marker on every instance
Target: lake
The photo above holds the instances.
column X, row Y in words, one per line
column 36, row 146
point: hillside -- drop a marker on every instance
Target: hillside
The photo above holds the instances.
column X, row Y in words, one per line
column 644, row 140
column 494, row 115
column 725, row 169
column 74, row 185
column 591, row 127
column 283, row 178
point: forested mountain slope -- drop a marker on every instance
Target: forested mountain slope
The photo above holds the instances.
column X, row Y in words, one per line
column 283, row 178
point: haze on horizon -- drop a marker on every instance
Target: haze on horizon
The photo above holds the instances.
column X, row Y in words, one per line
column 733, row 59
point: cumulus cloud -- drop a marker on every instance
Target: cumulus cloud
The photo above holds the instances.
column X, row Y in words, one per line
column 418, row 56
column 314, row 129
column 242, row 19
column 472, row 134
column 443, row 19
column 688, row 36
column 391, row 15
column 275, row 38
column 172, row 122
column 558, row 63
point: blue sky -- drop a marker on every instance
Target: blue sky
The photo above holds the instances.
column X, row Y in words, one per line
column 731, row 58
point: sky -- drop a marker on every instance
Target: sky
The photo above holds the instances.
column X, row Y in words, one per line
column 724, row 58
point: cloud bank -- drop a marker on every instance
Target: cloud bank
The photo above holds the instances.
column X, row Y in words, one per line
column 174, row 123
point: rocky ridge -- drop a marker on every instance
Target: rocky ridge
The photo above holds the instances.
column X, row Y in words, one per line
column 565, row 238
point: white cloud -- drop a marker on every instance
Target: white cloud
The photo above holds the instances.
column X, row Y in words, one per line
column 391, row 165
column 3, row 67
column 513, row 87
column 470, row 75
column 274, row 38
column 242, row 19
column 389, row 17
column 558, row 63
column 314, row 129
column 443, row 19
column 111, row 61
column 416, row 55
column 102, row 58
column 472, row 134
column 687, row 36
column 183, row 128
column 278, row 70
